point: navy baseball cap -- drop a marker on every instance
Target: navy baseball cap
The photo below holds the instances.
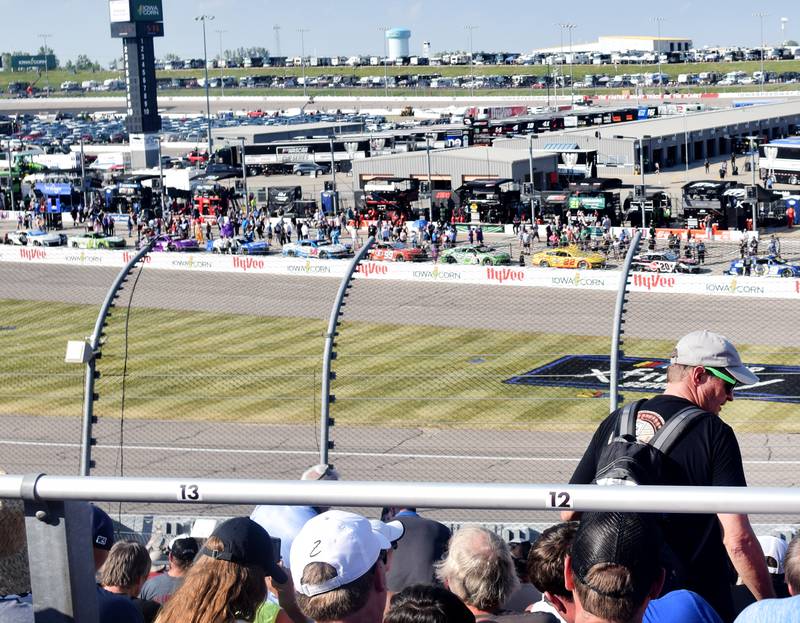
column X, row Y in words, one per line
column 246, row 543
column 102, row 529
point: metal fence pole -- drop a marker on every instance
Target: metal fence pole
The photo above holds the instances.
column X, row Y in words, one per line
column 325, row 421
column 94, row 344
column 619, row 320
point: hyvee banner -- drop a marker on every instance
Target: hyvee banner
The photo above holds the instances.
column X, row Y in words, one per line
column 776, row 384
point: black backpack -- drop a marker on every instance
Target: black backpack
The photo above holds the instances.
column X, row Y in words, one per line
column 626, row 461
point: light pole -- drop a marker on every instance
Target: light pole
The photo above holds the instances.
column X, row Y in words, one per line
column 658, row 21
column 530, row 173
column 161, row 175
column 753, row 140
column 430, row 183
column 685, row 146
column 44, row 38
column 761, row 15
column 10, row 175
column 302, row 32
column 561, row 69
column 203, row 19
column 569, row 27
column 471, row 65
column 644, row 186
column 333, row 172
column 384, row 29
column 83, row 178
column 244, row 178
column 221, row 68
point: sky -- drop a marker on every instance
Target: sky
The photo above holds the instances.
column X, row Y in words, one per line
column 347, row 27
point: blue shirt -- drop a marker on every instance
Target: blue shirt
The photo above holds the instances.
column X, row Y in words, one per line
column 683, row 606
column 786, row 610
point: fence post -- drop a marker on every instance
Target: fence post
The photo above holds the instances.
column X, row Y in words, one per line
column 94, row 345
column 328, row 355
column 619, row 320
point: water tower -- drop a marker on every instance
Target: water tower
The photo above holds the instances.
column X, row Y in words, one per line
column 398, row 42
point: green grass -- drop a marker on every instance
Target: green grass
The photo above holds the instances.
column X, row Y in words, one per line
column 220, row 367
column 56, row 77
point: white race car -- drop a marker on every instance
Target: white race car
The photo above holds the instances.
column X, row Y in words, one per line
column 41, row 238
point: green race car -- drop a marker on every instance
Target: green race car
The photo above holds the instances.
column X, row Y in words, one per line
column 475, row 254
column 95, row 240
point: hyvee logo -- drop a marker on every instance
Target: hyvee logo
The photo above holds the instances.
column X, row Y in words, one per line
column 504, row 274
column 653, row 282
column 33, row 254
column 368, row 269
column 128, row 256
column 246, row 263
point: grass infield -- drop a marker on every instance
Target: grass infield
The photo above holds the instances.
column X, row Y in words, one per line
column 198, row 366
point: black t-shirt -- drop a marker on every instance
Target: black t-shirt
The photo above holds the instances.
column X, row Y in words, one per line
column 706, row 454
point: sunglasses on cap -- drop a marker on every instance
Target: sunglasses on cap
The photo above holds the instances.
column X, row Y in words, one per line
column 730, row 382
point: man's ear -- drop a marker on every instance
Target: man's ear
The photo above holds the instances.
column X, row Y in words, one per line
column 569, row 583
column 556, row 601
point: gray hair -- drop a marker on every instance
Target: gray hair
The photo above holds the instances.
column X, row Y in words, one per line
column 479, row 569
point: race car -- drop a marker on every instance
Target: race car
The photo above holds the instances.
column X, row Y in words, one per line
column 95, row 240
column 39, row 238
column 765, row 266
column 568, row 257
column 396, row 252
column 17, row 237
column 165, row 242
column 321, row 249
column 664, row 262
column 475, row 254
column 239, row 245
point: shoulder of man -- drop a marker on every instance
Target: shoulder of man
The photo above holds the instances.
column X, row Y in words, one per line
column 785, row 610
column 519, row 617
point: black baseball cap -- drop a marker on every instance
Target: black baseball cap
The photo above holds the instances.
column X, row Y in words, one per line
column 629, row 540
column 246, row 543
column 102, row 529
column 184, row 548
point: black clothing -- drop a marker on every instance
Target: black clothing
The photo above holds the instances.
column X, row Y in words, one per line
column 424, row 543
column 707, row 454
column 517, row 617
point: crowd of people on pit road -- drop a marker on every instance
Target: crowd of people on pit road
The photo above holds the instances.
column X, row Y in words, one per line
column 295, row 564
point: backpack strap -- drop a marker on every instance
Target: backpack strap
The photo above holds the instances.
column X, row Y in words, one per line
column 667, row 435
column 626, row 420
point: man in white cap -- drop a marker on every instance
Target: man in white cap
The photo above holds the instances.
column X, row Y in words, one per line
column 704, row 369
column 284, row 522
column 337, row 564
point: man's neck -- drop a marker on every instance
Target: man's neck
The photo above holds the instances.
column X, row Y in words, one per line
column 480, row 614
column 118, row 590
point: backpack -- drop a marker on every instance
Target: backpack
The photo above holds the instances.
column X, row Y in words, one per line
column 627, row 461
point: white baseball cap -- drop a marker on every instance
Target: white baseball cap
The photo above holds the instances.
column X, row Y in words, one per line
column 392, row 530
column 345, row 541
column 774, row 551
column 704, row 348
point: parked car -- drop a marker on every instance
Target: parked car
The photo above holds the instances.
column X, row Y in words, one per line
column 664, row 262
column 396, row 252
column 321, row 249
column 309, row 168
column 568, row 257
column 95, row 240
column 475, row 254
column 17, row 237
column 165, row 242
column 765, row 266
column 239, row 245
column 40, row 238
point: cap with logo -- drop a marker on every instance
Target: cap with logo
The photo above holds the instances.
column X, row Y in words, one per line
column 774, row 552
column 246, row 543
column 345, row 541
column 629, row 540
column 102, row 529
column 704, row 348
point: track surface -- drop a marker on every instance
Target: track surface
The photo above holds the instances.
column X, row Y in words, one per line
column 172, row 449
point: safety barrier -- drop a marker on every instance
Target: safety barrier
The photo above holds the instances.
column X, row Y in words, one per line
column 599, row 280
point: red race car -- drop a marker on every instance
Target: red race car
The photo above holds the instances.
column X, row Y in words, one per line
column 396, row 252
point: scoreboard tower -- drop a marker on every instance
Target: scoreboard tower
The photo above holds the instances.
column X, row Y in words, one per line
column 136, row 22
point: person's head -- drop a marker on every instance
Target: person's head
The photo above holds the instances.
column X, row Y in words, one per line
column 182, row 552
column 704, row 368
column 321, row 471
column 102, row 535
column 227, row 580
column 614, row 567
column 479, row 569
column 15, row 576
column 424, row 603
column 791, row 565
column 393, row 531
column 519, row 554
column 546, row 566
column 126, row 567
column 338, row 569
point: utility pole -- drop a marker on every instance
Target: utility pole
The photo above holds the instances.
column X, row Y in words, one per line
column 302, row 32
column 244, row 179
column 471, row 65
column 44, row 38
column 644, row 187
column 569, row 27
column 161, row 176
column 203, row 19
column 430, row 183
column 221, row 67
column 530, row 173
column 333, row 172
column 83, row 175
column 10, row 175
column 761, row 15
column 384, row 29
column 658, row 21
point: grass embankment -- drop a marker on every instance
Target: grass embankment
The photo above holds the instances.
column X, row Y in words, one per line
column 197, row 366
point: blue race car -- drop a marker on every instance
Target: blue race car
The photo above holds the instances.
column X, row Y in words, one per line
column 765, row 266
column 321, row 249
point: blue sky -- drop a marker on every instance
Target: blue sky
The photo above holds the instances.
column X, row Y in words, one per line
column 352, row 26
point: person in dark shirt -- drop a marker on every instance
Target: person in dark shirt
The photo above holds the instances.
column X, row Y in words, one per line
column 123, row 574
column 704, row 369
